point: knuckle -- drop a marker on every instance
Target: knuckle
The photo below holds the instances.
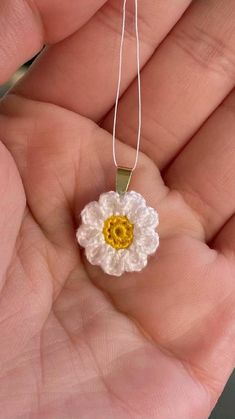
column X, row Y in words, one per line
column 207, row 50
column 110, row 16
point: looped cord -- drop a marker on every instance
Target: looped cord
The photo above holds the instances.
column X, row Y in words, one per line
column 119, row 85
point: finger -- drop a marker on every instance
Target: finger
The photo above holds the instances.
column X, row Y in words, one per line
column 12, row 205
column 80, row 73
column 26, row 25
column 186, row 79
column 225, row 240
column 62, row 18
column 204, row 172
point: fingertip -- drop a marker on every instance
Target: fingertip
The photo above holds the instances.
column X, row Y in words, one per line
column 21, row 35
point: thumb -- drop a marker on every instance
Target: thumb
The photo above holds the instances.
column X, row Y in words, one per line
column 26, row 25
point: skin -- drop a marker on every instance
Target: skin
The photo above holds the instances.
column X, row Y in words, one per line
column 74, row 342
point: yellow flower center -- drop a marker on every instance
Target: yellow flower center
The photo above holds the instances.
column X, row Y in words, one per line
column 118, row 232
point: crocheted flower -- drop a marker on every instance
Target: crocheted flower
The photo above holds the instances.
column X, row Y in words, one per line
column 118, row 232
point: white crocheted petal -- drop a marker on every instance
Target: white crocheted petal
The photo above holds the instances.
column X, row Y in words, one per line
column 135, row 260
column 145, row 217
column 92, row 215
column 96, row 252
column 113, row 263
column 130, row 202
column 146, row 241
column 87, row 234
column 109, row 203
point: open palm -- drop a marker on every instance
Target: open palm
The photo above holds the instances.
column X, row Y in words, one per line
column 76, row 343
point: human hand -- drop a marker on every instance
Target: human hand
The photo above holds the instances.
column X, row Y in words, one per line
column 76, row 343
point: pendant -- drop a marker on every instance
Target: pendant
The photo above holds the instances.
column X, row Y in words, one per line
column 118, row 231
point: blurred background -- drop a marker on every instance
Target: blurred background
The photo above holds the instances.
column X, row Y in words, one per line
column 225, row 408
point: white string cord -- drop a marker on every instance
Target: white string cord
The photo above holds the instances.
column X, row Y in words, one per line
column 119, row 84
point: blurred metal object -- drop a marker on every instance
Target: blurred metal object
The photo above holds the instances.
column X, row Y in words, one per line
column 14, row 79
